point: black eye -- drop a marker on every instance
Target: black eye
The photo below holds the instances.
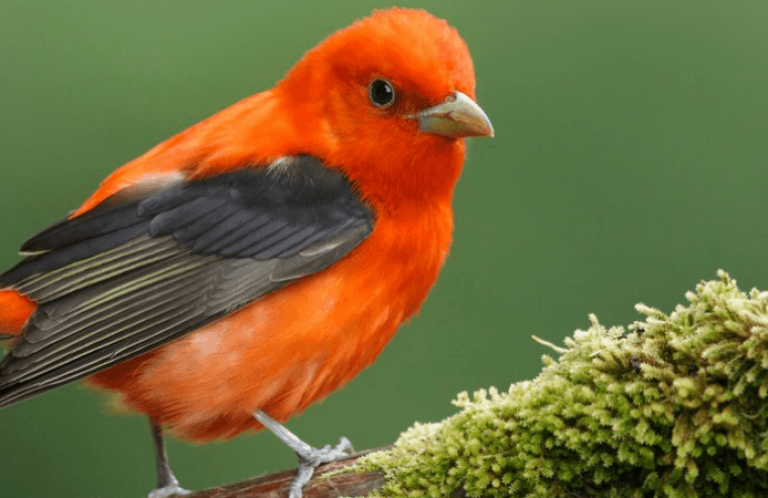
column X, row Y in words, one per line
column 381, row 93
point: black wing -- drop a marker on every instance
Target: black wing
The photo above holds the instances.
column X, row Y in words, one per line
column 133, row 274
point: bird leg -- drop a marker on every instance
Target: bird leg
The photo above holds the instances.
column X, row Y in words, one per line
column 167, row 484
column 309, row 457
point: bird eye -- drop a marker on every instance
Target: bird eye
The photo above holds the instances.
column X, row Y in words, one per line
column 381, row 93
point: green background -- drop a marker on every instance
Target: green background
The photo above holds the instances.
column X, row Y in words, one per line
column 629, row 163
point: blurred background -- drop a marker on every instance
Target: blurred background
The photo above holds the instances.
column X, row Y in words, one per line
column 630, row 162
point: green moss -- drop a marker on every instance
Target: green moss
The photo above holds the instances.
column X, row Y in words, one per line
column 673, row 407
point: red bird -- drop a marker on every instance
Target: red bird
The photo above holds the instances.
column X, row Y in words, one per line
column 250, row 265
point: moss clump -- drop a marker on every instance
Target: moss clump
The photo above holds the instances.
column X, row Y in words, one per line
column 676, row 407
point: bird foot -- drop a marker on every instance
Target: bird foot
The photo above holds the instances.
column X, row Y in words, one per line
column 327, row 454
column 169, row 491
column 167, row 484
column 309, row 457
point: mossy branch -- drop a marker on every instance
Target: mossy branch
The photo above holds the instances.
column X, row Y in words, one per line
column 673, row 406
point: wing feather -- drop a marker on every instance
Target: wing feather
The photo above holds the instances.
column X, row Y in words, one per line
column 136, row 273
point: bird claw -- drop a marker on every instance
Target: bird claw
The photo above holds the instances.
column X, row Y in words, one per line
column 309, row 457
column 169, row 491
column 327, row 454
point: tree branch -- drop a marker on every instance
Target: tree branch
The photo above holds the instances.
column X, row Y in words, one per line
column 276, row 485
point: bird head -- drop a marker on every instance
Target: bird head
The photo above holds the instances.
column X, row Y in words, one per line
column 389, row 100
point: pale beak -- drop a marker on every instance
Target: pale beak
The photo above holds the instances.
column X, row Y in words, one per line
column 459, row 116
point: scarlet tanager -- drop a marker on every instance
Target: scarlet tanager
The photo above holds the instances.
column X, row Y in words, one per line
column 250, row 265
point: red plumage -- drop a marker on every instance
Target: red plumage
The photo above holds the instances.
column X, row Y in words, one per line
column 292, row 347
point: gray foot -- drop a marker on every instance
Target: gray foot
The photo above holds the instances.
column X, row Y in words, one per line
column 167, row 484
column 169, row 491
column 309, row 457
